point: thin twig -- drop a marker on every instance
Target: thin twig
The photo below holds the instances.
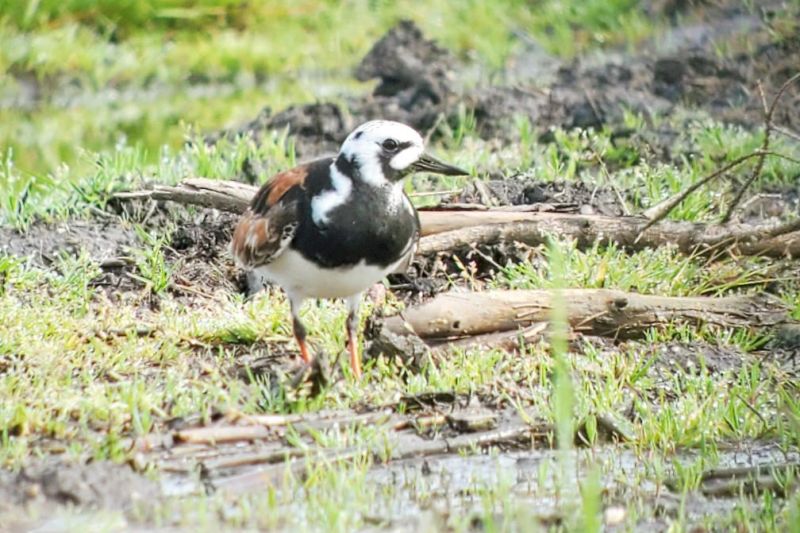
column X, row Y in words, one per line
column 423, row 194
column 665, row 208
column 787, row 132
column 607, row 177
column 764, row 146
column 753, row 410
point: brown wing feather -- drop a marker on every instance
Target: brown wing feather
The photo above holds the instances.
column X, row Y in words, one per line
column 269, row 224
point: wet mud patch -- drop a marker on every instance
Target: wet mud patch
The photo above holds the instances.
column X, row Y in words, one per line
column 448, row 450
column 43, row 244
column 194, row 252
column 95, row 485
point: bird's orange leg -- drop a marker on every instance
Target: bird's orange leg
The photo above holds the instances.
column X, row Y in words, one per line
column 301, row 342
column 353, row 304
column 355, row 358
column 299, row 330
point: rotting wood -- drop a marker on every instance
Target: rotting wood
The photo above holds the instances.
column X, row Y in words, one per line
column 603, row 312
column 509, row 340
column 448, row 230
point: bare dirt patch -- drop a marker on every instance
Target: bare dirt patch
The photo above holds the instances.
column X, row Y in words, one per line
column 44, row 243
column 45, row 487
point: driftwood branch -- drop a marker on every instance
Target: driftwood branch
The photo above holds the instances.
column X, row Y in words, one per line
column 456, row 316
column 449, row 230
column 230, row 196
column 536, row 228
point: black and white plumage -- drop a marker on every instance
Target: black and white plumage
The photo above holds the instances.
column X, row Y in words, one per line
column 336, row 226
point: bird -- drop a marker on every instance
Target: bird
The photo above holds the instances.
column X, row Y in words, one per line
column 335, row 226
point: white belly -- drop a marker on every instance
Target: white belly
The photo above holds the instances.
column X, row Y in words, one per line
column 304, row 279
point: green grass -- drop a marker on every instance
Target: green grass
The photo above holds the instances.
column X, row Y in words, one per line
column 142, row 69
column 70, row 376
column 123, row 86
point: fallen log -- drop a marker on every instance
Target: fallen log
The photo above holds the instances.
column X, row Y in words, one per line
column 456, row 316
column 231, row 196
column 446, row 230
column 536, row 228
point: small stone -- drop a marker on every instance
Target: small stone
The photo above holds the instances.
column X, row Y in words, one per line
column 614, row 516
column 32, row 491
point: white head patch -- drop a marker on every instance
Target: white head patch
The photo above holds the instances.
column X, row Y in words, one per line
column 366, row 145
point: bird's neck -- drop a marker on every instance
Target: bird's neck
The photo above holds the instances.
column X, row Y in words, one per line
column 366, row 181
column 368, row 170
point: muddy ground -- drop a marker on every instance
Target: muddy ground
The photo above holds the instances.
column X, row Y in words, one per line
column 418, row 83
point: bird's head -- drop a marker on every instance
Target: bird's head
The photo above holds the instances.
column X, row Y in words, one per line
column 382, row 151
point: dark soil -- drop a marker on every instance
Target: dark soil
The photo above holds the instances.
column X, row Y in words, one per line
column 94, row 485
column 557, row 196
column 681, row 69
column 44, row 243
column 196, row 253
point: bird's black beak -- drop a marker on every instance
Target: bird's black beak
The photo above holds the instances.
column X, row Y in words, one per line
column 429, row 163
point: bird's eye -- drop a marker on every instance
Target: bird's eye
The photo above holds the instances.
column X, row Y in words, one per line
column 390, row 145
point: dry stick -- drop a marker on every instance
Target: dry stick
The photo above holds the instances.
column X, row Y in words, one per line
column 424, row 194
column 730, row 481
column 217, row 435
column 661, row 210
column 262, row 427
column 607, row 178
column 785, row 131
column 764, row 146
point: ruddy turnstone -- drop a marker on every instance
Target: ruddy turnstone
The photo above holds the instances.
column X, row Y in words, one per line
column 335, row 226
